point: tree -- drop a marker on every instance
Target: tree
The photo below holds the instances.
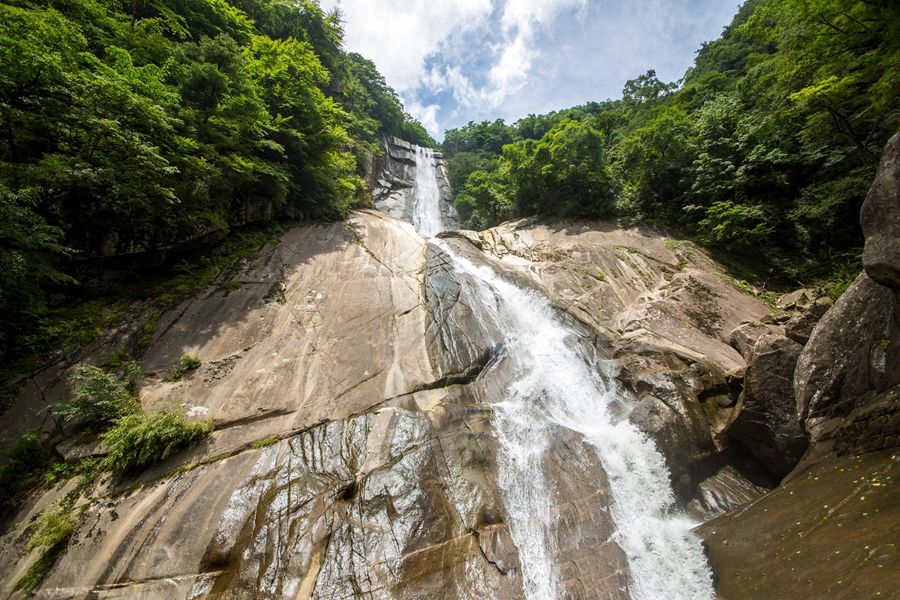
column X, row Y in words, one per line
column 646, row 88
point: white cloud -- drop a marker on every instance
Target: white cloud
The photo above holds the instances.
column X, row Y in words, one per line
column 460, row 60
column 523, row 14
column 426, row 115
column 463, row 90
column 519, row 21
column 399, row 37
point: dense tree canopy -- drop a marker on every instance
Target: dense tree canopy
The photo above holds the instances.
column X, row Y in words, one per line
column 127, row 127
column 768, row 143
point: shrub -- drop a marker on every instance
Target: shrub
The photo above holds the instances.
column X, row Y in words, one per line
column 132, row 371
column 55, row 526
column 230, row 285
column 98, row 398
column 186, row 362
column 140, row 439
column 27, row 458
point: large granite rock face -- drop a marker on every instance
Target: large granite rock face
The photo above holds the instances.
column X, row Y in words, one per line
column 880, row 220
column 354, row 453
column 663, row 312
column 767, row 422
column 350, row 383
column 378, row 481
column 853, row 353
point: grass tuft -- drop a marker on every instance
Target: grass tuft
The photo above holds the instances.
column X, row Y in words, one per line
column 185, row 363
column 53, row 528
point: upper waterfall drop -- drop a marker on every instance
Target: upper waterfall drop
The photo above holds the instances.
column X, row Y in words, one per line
column 427, row 217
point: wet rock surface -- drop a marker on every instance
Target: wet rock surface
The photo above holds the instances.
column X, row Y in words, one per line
column 390, row 504
column 394, row 188
column 662, row 311
column 823, row 534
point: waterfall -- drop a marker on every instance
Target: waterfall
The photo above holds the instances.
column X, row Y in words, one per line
column 427, row 207
column 557, row 387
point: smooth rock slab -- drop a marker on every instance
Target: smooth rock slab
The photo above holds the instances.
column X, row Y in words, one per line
column 362, row 508
column 824, row 534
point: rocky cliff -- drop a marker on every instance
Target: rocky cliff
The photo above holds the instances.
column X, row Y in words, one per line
column 393, row 189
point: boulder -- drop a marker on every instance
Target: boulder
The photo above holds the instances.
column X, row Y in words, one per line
column 799, row 327
column 767, row 423
column 872, row 427
column 724, row 490
column 743, row 337
column 798, row 299
column 853, row 352
column 880, row 220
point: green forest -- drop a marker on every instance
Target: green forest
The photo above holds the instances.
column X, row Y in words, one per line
column 133, row 127
column 765, row 149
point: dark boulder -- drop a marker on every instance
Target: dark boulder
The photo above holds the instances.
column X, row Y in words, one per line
column 743, row 337
column 767, row 423
column 880, row 220
column 853, row 353
column 800, row 326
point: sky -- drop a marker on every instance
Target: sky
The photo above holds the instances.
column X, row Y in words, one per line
column 455, row 61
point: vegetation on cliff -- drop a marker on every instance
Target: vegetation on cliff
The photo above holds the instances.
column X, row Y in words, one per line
column 768, row 144
column 130, row 127
column 103, row 409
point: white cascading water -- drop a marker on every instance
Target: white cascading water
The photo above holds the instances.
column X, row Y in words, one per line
column 427, row 208
column 557, row 387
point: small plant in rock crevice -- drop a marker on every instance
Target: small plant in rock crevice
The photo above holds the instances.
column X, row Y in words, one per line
column 185, row 363
column 264, row 442
column 53, row 528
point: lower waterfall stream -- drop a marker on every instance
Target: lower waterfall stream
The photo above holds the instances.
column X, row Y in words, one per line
column 558, row 387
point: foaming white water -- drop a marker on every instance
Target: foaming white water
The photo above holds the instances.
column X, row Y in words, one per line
column 557, row 387
column 427, row 209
